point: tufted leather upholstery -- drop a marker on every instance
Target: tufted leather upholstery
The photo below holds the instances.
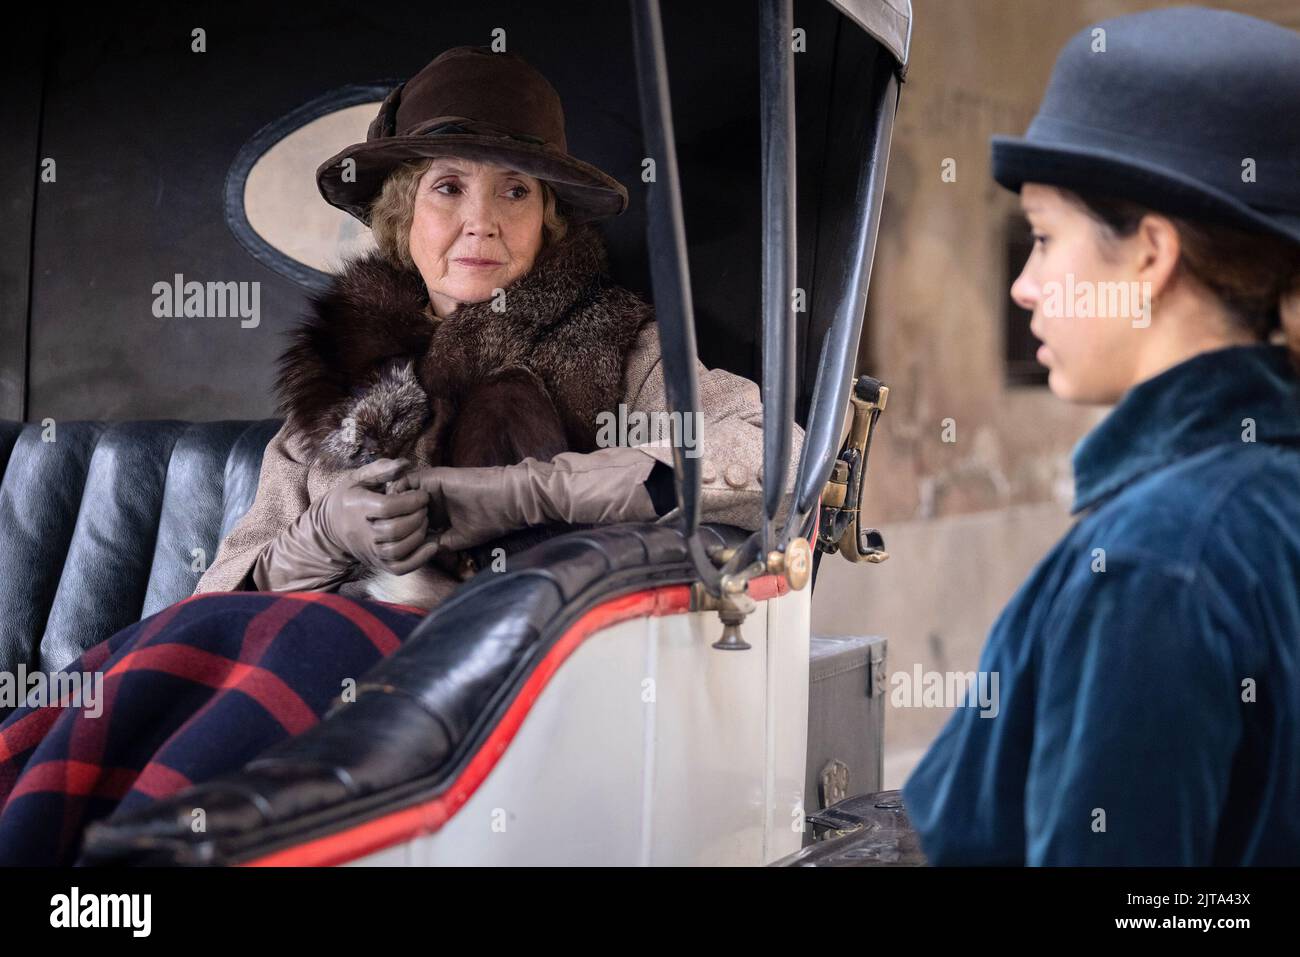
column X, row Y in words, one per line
column 99, row 527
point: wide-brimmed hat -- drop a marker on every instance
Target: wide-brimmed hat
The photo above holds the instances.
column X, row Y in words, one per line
column 479, row 105
column 1189, row 111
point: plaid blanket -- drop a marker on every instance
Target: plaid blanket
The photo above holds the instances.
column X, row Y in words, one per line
column 189, row 693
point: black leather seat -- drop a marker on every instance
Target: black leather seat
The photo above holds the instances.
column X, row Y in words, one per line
column 102, row 524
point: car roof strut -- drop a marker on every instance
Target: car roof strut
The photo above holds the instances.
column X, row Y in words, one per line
column 763, row 551
column 837, row 364
column 670, row 273
column 777, row 135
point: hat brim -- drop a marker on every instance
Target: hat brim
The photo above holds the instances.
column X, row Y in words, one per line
column 1017, row 161
column 590, row 193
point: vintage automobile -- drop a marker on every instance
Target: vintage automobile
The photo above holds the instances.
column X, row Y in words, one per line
column 628, row 694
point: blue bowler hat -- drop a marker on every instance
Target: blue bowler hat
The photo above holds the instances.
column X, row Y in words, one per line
column 1189, row 111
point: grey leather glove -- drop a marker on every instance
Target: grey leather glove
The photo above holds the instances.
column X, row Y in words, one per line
column 353, row 523
column 471, row 506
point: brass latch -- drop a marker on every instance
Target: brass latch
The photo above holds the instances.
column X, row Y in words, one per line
column 840, row 529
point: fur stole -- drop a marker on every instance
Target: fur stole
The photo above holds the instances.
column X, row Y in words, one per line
column 371, row 373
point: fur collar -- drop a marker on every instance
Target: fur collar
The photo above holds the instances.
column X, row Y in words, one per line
column 371, row 348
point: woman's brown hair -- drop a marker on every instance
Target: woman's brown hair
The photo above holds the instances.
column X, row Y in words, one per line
column 1254, row 275
column 394, row 208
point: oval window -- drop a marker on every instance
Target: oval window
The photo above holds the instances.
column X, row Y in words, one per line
column 272, row 205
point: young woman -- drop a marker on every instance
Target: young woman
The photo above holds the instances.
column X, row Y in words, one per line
column 1149, row 669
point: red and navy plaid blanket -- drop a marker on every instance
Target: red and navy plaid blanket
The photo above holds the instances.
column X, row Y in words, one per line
column 190, row 693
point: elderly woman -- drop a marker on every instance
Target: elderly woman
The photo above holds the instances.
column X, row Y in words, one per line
column 490, row 279
column 449, row 389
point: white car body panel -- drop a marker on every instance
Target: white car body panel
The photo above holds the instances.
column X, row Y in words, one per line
column 649, row 747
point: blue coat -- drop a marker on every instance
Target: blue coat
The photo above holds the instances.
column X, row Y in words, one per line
column 1149, row 669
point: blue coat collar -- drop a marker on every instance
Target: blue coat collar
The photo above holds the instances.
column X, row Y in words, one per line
column 1197, row 404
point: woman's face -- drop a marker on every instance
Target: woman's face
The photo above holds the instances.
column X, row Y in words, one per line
column 1088, row 303
column 476, row 228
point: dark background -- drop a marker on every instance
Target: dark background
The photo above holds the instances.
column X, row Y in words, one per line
column 144, row 132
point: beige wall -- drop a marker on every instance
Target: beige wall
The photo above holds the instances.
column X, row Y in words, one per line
column 963, row 520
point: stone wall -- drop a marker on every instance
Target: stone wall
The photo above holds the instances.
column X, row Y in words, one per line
column 965, row 520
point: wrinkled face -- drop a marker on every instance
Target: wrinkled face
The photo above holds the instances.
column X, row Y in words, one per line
column 1088, row 306
column 476, row 228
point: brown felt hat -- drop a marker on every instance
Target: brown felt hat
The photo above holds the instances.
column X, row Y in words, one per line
column 478, row 105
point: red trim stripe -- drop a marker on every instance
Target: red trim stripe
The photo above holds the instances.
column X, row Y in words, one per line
column 402, row 825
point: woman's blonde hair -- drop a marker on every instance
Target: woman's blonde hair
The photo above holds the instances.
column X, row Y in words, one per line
column 394, row 208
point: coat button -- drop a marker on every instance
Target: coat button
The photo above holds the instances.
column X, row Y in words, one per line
column 708, row 473
column 735, row 476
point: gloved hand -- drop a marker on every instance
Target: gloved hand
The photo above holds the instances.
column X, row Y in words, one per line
column 354, row 522
column 471, row 506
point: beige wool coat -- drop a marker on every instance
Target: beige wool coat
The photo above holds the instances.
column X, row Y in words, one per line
column 730, row 439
